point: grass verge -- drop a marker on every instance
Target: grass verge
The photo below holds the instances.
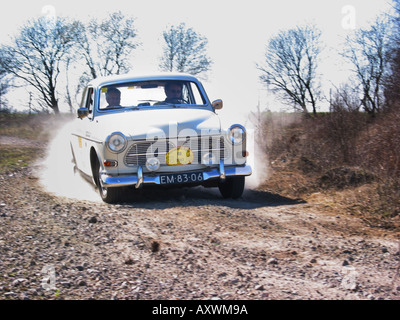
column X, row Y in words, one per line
column 12, row 158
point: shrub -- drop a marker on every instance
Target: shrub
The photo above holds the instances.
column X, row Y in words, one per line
column 343, row 149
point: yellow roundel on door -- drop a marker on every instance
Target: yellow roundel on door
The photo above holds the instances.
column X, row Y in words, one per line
column 179, row 156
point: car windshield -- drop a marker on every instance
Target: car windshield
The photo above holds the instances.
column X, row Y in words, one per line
column 151, row 94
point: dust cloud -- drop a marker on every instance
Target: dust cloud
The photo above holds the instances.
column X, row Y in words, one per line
column 57, row 173
column 257, row 159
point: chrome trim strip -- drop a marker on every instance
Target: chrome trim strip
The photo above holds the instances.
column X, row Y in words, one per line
column 86, row 138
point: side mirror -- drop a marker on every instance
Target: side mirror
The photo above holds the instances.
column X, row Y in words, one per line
column 217, row 104
column 83, row 112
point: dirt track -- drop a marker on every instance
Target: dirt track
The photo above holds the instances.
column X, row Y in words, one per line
column 186, row 244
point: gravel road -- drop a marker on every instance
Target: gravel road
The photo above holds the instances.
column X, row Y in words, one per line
column 186, row 244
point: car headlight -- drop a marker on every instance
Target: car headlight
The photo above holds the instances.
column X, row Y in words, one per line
column 116, row 142
column 237, row 134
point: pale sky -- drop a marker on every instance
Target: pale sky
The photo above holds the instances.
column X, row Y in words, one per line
column 237, row 31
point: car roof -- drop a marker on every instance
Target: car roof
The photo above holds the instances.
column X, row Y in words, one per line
column 101, row 81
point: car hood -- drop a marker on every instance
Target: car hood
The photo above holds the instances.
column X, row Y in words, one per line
column 142, row 124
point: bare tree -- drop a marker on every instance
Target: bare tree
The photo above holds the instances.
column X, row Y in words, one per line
column 4, row 87
column 344, row 98
column 368, row 51
column 392, row 80
column 290, row 65
column 107, row 45
column 36, row 54
column 71, row 98
column 184, row 51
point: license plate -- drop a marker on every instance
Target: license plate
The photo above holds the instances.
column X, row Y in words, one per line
column 178, row 178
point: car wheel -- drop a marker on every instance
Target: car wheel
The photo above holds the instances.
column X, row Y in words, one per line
column 232, row 187
column 108, row 195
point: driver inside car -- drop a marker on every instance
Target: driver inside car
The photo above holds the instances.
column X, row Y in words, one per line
column 173, row 91
column 113, row 97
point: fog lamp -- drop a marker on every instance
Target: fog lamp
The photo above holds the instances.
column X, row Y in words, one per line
column 153, row 164
column 209, row 159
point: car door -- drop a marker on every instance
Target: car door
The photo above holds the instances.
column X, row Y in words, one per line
column 81, row 145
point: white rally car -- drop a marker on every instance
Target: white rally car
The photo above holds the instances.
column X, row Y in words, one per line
column 160, row 130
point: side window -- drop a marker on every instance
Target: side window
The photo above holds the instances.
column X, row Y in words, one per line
column 90, row 100
column 196, row 96
column 185, row 94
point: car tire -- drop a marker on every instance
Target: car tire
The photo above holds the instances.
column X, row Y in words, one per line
column 232, row 187
column 108, row 195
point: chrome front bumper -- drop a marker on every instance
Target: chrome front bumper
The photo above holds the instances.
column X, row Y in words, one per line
column 140, row 178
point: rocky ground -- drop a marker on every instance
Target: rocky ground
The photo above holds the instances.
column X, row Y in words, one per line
column 186, row 244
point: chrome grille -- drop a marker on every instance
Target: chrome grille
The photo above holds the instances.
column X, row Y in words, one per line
column 140, row 151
